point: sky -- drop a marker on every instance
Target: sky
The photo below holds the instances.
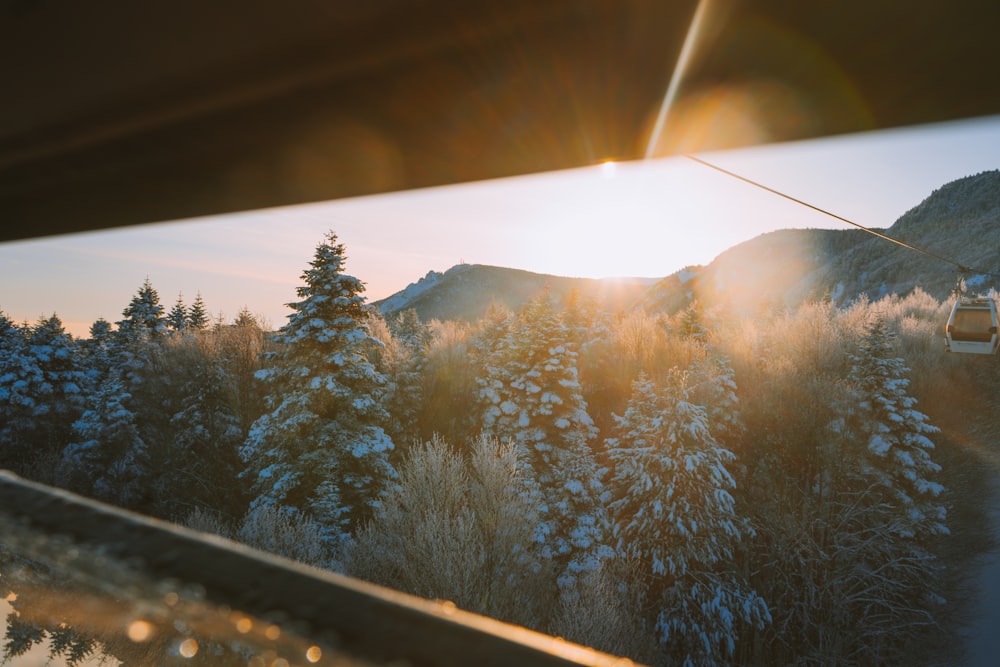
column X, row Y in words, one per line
column 645, row 218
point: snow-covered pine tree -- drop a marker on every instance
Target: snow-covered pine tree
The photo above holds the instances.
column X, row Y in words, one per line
column 178, row 316
column 108, row 459
column 20, row 381
column 713, row 385
column 63, row 383
column 488, row 341
column 533, row 398
column 197, row 315
column 673, row 512
column 97, row 350
column 321, row 448
column 144, row 314
column 896, row 447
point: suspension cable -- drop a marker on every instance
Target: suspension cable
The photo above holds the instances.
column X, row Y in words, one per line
column 963, row 269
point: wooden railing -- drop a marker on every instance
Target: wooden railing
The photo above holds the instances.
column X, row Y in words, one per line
column 366, row 623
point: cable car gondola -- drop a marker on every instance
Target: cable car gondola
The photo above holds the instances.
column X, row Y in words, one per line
column 972, row 326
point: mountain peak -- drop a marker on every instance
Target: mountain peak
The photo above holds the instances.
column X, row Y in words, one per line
column 465, row 291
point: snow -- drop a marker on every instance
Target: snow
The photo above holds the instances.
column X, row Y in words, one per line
column 405, row 297
column 878, row 445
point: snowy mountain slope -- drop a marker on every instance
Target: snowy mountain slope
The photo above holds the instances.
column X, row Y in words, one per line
column 398, row 301
column 465, row 292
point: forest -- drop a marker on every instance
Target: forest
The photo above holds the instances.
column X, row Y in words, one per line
column 699, row 487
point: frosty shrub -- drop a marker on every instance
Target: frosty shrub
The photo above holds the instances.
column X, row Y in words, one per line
column 606, row 612
column 458, row 528
column 449, row 378
column 285, row 532
column 206, row 521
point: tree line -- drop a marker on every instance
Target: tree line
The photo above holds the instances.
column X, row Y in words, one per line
column 690, row 488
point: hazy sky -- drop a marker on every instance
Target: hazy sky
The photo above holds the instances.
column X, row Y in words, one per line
column 627, row 219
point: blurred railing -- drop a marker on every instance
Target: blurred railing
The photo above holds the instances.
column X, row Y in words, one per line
column 357, row 622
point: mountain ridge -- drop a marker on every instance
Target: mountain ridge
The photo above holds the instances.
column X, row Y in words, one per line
column 465, row 291
column 958, row 221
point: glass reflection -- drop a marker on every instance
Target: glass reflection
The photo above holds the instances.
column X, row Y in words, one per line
column 63, row 604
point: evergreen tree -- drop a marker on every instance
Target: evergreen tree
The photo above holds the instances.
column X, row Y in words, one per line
column 690, row 323
column 143, row 317
column 713, row 385
column 898, row 451
column 177, row 318
column 403, row 361
column 60, row 393
column 674, row 513
column 533, row 398
column 203, row 425
column 20, row 382
column 321, row 449
column 108, row 460
column 98, row 349
column 197, row 315
column 245, row 318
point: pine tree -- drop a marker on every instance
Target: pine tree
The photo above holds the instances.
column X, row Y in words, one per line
column 403, row 361
column 674, row 513
column 203, row 425
column 60, row 394
column 108, row 460
column 143, row 316
column 245, row 318
column 177, row 318
column 41, row 394
column 897, row 449
column 21, row 380
column 321, row 449
column 97, row 350
column 197, row 315
column 533, row 398
column 690, row 323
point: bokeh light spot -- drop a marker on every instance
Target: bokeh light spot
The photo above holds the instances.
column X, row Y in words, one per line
column 139, row 631
column 188, row 648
